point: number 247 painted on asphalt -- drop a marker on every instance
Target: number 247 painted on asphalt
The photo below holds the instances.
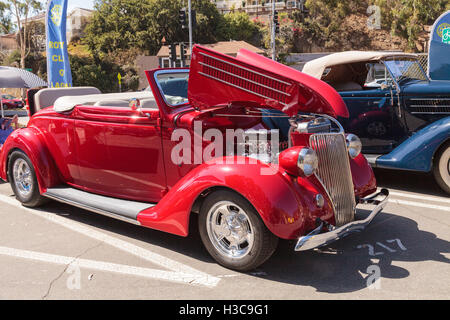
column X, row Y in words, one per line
column 372, row 248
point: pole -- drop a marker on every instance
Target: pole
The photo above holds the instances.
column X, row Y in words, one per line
column 274, row 54
column 1, row 95
column 190, row 26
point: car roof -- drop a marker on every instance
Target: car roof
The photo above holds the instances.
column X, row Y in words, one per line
column 316, row 68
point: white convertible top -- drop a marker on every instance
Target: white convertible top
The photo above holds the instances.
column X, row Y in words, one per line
column 67, row 103
column 316, row 68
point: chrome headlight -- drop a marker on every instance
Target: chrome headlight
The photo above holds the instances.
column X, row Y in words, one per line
column 308, row 162
column 354, row 145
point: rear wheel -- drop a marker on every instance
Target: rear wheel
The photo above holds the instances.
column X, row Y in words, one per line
column 233, row 232
column 23, row 180
column 441, row 169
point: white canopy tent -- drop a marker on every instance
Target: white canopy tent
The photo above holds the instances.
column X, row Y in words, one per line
column 18, row 78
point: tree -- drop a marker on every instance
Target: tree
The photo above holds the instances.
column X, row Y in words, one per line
column 328, row 25
column 35, row 37
column 141, row 24
column 21, row 10
column 6, row 25
column 238, row 26
column 408, row 17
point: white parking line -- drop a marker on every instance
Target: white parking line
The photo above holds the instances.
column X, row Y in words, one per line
column 109, row 267
column 202, row 278
column 422, row 197
column 420, row 205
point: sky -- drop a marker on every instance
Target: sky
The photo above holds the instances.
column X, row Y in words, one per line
column 88, row 4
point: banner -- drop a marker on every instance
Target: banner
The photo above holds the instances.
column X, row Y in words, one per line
column 439, row 55
column 58, row 66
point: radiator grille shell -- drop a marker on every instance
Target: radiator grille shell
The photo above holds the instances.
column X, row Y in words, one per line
column 335, row 174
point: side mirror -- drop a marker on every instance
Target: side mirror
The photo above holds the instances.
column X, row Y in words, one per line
column 135, row 105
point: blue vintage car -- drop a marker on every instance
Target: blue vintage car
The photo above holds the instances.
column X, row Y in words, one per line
column 401, row 116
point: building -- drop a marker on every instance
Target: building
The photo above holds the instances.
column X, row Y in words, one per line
column 228, row 5
column 230, row 48
column 144, row 63
column 8, row 43
column 257, row 7
column 76, row 21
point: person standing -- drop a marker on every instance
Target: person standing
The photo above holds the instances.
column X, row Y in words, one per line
column 6, row 128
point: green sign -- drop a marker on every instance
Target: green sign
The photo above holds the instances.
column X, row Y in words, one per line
column 446, row 36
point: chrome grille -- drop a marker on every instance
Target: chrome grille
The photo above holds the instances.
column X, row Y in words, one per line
column 429, row 106
column 335, row 174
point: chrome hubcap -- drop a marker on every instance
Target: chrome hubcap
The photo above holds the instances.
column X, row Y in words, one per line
column 22, row 178
column 230, row 230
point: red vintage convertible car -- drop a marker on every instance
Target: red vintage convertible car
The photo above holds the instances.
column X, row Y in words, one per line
column 119, row 155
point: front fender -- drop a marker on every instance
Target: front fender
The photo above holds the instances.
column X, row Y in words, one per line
column 286, row 205
column 417, row 153
column 29, row 141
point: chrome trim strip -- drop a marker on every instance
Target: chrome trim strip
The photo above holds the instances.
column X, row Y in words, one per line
column 430, row 106
column 238, row 87
column 245, row 79
column 429, row 99
column 317, row 239
column 246, row 69
column 95, row 210
column 432, row 113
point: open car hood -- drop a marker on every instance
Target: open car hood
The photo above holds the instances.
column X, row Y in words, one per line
column 217, row 79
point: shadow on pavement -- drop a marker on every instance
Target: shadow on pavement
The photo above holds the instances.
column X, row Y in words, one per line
column 338, row 268
column 343, row 266
column 409, row 181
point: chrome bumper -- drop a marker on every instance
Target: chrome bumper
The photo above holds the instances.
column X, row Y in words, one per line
column 317, row 239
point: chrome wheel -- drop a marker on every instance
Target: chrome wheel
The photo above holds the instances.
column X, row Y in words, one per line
column 230, row 230
column 23, row 179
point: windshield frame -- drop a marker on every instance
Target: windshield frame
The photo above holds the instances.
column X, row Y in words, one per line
column 169, row 71
column 397, row 80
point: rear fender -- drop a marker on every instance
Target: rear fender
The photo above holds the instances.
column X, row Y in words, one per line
column 275, row 197
column 417, row 153
column 30, row 142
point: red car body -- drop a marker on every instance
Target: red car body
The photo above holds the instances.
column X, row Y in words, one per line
column 125, row 154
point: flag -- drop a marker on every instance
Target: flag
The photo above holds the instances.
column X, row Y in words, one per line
column 439, row 55
column 58, row 66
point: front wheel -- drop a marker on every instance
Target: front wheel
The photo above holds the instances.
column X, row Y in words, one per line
column 233, row 232
column 23, row 180
column 441, row 168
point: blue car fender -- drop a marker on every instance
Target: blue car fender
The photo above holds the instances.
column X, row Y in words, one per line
column 417, row 153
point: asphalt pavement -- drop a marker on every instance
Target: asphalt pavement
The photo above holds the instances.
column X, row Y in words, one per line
column 61, row 252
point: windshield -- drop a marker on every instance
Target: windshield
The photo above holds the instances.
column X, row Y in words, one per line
column 174, row 87
column 377, row 75
column 8, row 96
column 405, row 69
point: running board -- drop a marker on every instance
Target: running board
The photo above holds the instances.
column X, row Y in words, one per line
column 124, row 210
